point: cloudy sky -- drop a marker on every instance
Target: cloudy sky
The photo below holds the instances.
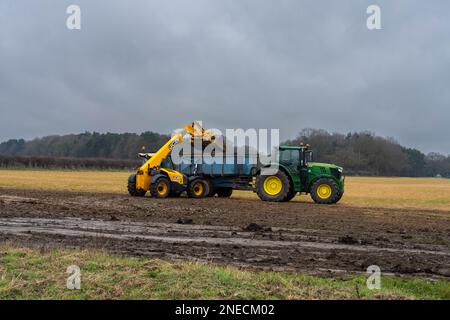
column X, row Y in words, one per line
column 139, row 65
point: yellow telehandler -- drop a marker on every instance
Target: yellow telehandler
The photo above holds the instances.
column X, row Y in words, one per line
column 165, row 182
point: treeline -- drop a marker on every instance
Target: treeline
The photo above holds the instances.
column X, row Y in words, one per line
column 360, row 153
column 86, row 145
column 17, row 162
column 364, row 153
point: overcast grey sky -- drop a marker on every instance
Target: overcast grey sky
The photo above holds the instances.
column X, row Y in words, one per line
column 139, row 65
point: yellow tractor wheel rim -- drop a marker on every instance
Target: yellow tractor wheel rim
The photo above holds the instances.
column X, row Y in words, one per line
column 162, row 188
column 273, row 185
column 324, row 191
column 198, row 189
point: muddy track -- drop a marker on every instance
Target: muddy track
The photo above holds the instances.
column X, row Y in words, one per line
column 278, row 236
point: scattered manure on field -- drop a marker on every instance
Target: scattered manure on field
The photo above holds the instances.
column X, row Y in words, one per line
column 348, row 240
column 185, row 221
column 254, row 227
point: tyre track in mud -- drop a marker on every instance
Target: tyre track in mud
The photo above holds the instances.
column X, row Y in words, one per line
column 294, row 236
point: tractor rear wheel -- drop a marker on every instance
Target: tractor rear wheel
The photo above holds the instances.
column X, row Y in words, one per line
column 291, row 195
column 276, row 187
column 224, row 192
column 198, row 188
column 132, row 187
column 160, row 188
column 325, row 191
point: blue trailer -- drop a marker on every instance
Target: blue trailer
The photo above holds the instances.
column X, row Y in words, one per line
column 223, row 175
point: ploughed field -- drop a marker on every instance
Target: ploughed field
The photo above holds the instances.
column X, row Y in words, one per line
column 401, row 236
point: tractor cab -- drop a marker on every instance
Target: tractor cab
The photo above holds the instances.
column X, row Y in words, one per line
column 292, row 155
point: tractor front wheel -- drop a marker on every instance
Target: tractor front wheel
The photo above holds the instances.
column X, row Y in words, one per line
column 325, row 191
column 340, row 196
column 276, row 187
column 160, row 188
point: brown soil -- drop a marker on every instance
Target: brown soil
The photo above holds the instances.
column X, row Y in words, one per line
column 278, row 236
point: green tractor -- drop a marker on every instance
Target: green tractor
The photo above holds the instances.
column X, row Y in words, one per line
column 298, row 173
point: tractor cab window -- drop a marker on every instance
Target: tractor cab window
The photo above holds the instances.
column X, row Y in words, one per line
column 306, row 156
column 289, row 156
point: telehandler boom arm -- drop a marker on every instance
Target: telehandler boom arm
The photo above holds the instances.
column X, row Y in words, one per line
column 156, row 159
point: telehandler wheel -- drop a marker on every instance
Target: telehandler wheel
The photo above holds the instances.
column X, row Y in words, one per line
column 175, row 194
column 325, row 191
column 132, row 187
column 224, row 192
column 198, row 188
column 160, row 188
column 273, row 188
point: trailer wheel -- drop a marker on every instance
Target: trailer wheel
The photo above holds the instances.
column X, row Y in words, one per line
column 325, row 191
column 132, row 187
column 224, row 192
column 160, row 188
column 198, row 188
column 212, row 190
column 273, row 188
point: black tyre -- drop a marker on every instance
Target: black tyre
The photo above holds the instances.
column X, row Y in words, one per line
column 132, row 187
column 340, row 197
column 212, row 190
column 198, row 188
column 175, row 194
column 224, row 192
column 276, row 187
column 325, row 191
column 291, row 195
column 160, row 188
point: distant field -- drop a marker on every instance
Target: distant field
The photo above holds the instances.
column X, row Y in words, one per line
column 95, row 181
column 421, row 193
